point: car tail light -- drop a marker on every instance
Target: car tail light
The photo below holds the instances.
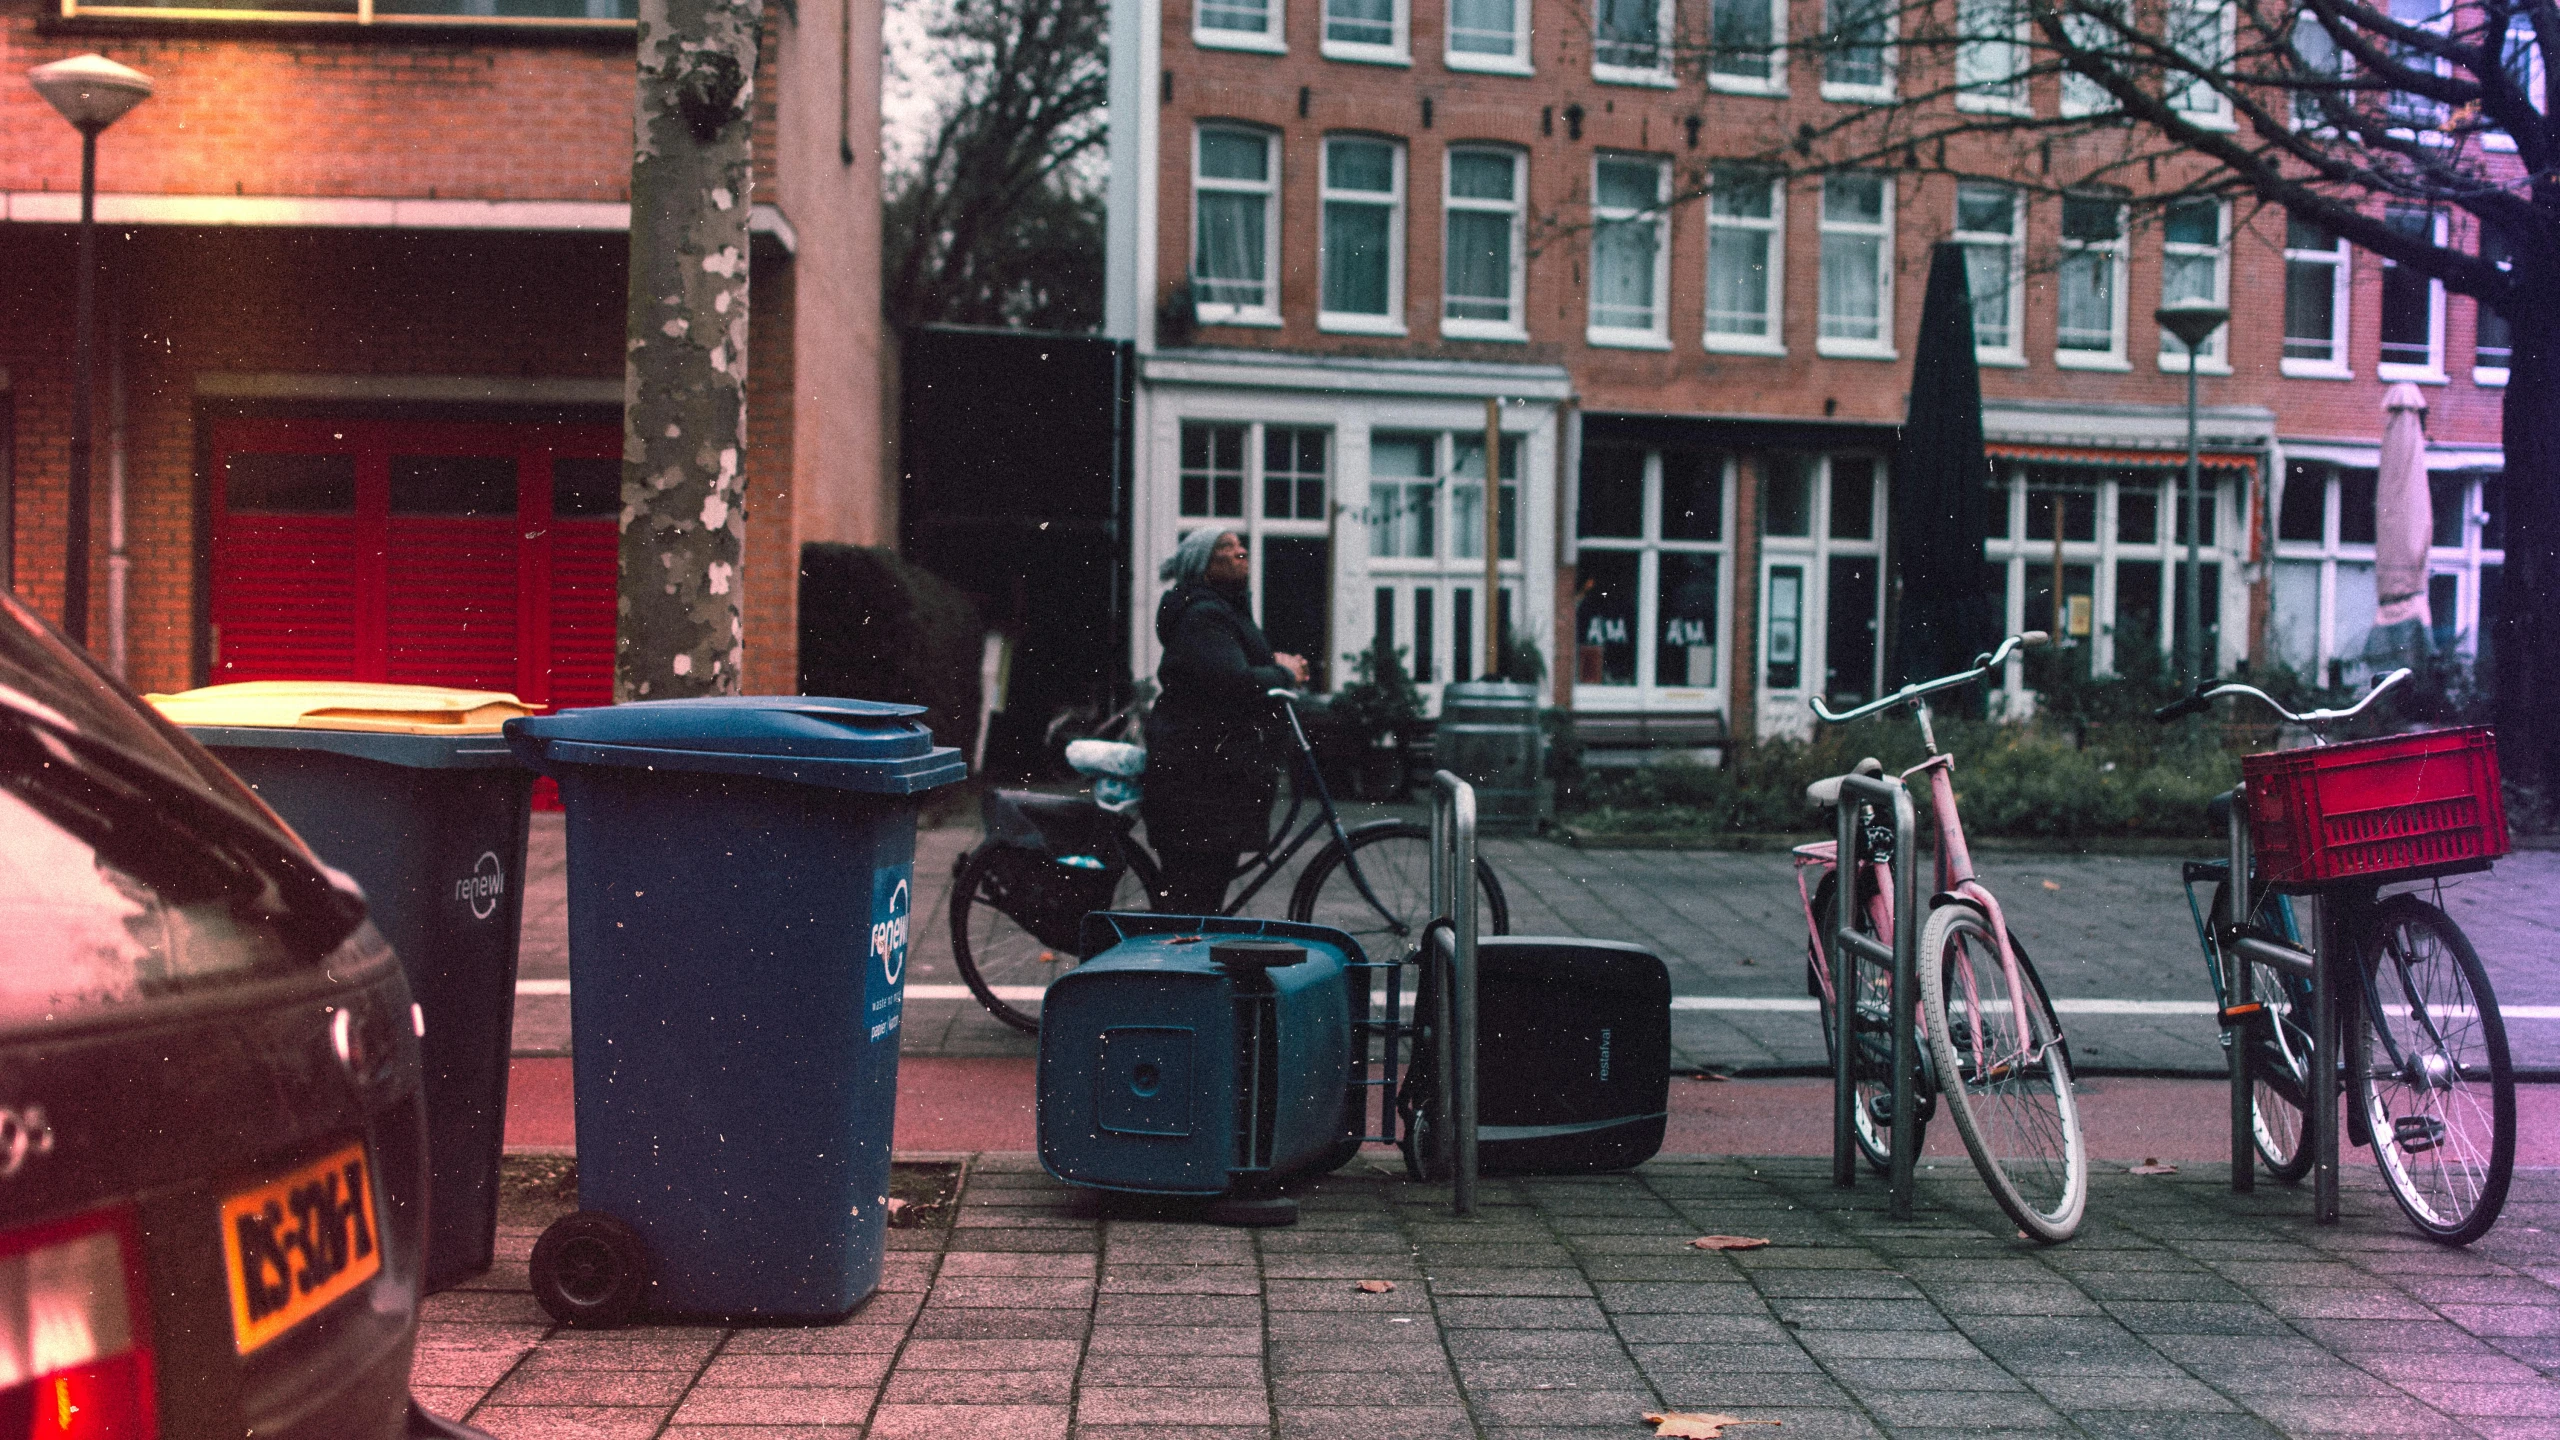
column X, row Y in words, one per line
column 75, row 1351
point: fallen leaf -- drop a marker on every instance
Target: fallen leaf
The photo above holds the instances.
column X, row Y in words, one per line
column 897, row 1207
column 1727, row 1242
column 1710, row 1075
column 1690, row 1425
column 1376, row 1287
column 2053, row 884
column 2151, row 1166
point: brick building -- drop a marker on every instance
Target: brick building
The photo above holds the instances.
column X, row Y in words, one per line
column 360, row 375
column 1339, row 226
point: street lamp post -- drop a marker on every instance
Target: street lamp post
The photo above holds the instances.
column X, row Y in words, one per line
column 2193, row 322
column 92, row 92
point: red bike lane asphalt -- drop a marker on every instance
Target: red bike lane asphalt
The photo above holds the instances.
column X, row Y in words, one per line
column 948, row 1105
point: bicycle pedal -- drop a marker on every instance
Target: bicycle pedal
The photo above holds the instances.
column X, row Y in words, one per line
column 2232, row 1015
column 2417, row 1134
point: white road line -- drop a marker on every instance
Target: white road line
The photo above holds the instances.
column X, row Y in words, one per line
column 1729, row 1003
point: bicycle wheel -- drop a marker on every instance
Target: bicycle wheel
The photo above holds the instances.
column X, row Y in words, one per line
column 1005, row 964
column 2437, row 1087
column 2279, row 1038
column 1871, row 1066
column 1394, row 856
column 2004, row 1074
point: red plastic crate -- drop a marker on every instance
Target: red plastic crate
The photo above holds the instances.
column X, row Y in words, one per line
column 2370, row 809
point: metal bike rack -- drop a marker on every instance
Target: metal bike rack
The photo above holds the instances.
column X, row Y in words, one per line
column 2328, row 1020
column 1902, row 955
column 1453, row 895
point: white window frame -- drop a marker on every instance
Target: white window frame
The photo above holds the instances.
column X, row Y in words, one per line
column 1255, row 524
column 1222, row 313
column 2489, row 376
column 1658, row 74
column 1397, row 51
column 2112, row 358
column 2079, row 95
column 1992, row 96
column 1450, row 567
column 2467, row 559
column 2215, row 359
column 1651, row 545
column 1812, row 553
column 1883, row 90
column 1515, row 327
column 1518, row 62
column 2430, row 114
column 2432, row 372
column 2184, row 17
column 1272, row 38
column 2340, row 365
column 1849, row 347
column 2020, row 556
column 2015, row 242
column 1773, row 83
column 1352, row 322
column 2519, row 32
column 1775, row 229
column 1657, row 335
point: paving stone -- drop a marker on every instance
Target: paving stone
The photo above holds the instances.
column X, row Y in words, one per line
column 1851, row 1346
column 802, row 1369
column 1173, row 1340
column 836, row 1340
column 796, row 1405
column 1077, row 1265
column 1697, row 1330
column 2539, row 1399
column 1507, row 1281
column 2515, row 1321
column 569, row 1422
column 1170, row 1405
column 1291, row 1356
column 1631, row 1298
column 2004, row 1299
column 2331, row 1303
column 1518, row 1313
column 593, row 1387
column 1859, row 1314
column 1339, row 1267
column 2174, row 1425
column 1012, row 1292
column 1723, row 1358
column 1178, row 1310
column 2304, row 1415
column 2125, row 1392
column 1972, row 1410
column 476, row 1370
column 1730, row 1392
column 2185, row 1317
column 1833, row 1284
column 1229, row 1371
column 970, row 1322
column 1586, row 1372
column 1562, row 1407
column 968, row 1422
column 1887, row 1372
column 1394, row 1387
column 1374, row 1422
column 980, row 1387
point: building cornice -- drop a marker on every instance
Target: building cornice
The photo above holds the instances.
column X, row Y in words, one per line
column 356, row 212
column 1256, row 369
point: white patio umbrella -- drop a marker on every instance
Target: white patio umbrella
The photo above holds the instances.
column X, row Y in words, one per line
column 2404, row 525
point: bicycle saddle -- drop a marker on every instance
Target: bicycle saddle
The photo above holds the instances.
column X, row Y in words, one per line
column 1826, row 792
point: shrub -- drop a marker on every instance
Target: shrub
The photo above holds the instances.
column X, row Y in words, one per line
column 874, row 627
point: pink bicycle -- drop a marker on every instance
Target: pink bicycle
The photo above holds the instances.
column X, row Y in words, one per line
column 1993, row 1047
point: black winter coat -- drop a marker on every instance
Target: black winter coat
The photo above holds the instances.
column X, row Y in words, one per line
column 1211, row 775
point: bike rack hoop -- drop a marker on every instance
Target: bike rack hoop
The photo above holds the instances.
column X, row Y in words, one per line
column 1453, row 896
column 1856, row 792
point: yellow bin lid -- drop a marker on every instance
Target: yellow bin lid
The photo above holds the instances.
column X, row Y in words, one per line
column 344, row 705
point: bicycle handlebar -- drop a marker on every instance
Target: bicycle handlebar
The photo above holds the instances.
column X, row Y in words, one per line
column 2206, row 692
column 1922, row 689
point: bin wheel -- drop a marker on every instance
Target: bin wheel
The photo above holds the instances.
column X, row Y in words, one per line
column 590, row 1270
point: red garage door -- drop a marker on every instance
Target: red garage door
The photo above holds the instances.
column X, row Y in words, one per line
column 477, row 556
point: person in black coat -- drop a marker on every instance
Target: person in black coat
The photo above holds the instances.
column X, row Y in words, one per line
column 1211, row 774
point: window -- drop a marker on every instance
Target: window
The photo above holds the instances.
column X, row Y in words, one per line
column 2202, row 33
column 1425, row 519
column 2493, row 342
column 2193, row 266
column 1365, row 30
column 1629, row 250
column 1991, row 55
column 1991, row 225
column 2317, row 64
column 1747, row 54
column 1235, row 258
column 1650, row 567
column 2089, row 285
column 1293, row 472
column 1857, row 266
column 2315, row 301
column 1746, row 215
column 1822, row 600
column 1363, row 239
column 1482, row 297
column 2116, row 537
column 1628, row 41
column 2524, row 66
column 2420, row 113
column 2092, row 26
column 2412, row 303
column 550, row 14
column 1212, row 486
column 1489, row 35
column 1238, row 24
column 2323, row 582
column 1857, row 49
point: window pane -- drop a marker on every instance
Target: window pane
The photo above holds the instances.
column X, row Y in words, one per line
column 2086, row 301
column 582, row 486
column 1738, row 282
column 2078, row 501
column 1858, row 29
column 1782, row 647
column 1474, row 175
column 2311, row 310
column 1849, row 644
column 2137, row 512
column 2408, row 298
column 1622, row 268
column 1744, row 193
column 1426, row 642
column 1627, row 33
column 1851, row 296
column 1629, row 184
column 290, row 485
column 2089, row 219
column 1787, row 497
column 1293, row 473
column 2493, row 503
column 2196, row 222
column 1987, row 208
column 2355, row 506
column 1251, row 16
column 2445, row 494
column 1360, row 165
column 1483, row 27
column 1212, row 481
column 2306, row 500
column 1356, row 258
column 1853, row 498
column 2189, row 278
column 1229, row 264
column 1853, row 199
column 1684, row 651
column 1479, row 266
column 1692, row 496
column 2209, row 486
column 455, row 485
column 1611, row 504
column 2138, row 614
column 1402, row 492
column 1360, row 22
column 1742, row 38
column 1604, row 617
column 1234, row 155
column 1986, row 275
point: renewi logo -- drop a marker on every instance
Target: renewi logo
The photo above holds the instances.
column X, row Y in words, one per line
column 481, row 888
column 889, row 936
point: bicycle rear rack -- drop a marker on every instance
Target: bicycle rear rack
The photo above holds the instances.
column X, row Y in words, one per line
column 1444, row 1013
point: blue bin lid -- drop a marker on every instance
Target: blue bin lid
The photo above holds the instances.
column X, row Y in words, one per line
column 862, row 745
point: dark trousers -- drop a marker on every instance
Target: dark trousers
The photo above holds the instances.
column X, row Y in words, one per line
column 1195, row 881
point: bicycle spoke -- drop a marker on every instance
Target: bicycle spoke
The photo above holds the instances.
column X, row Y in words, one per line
column 2005, row 1075
column 2439, row 1095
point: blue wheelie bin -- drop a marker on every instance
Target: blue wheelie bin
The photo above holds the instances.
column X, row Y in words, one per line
column 411, row 790
column 740, row 888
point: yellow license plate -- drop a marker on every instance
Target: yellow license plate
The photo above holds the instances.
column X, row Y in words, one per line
column 297, row 1242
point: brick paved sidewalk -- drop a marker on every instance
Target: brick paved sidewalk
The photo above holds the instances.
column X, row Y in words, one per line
column 1575, row 1305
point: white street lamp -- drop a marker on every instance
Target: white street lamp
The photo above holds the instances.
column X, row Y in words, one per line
column 92, row 92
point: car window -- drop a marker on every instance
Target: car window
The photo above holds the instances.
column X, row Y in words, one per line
column 84, row 932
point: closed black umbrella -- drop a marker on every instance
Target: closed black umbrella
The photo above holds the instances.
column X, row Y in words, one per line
column 1946, row 605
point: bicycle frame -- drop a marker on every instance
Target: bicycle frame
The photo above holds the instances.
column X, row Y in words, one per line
column 1272, row 859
